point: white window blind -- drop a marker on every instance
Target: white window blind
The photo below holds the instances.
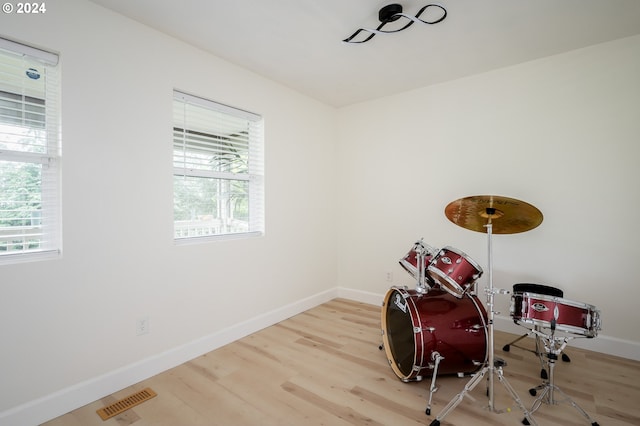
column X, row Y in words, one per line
column 29, row 153
column 218, row 170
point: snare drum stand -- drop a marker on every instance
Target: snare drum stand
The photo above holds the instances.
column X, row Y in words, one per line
column 491, row 366
column 553, row 349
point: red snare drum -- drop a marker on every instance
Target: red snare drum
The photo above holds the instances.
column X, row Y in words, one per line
column 414, row 326
column 454, row 270
column 410, row 261
column 571, row 317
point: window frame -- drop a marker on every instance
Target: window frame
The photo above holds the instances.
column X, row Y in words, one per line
column 253, row 176
column 49, row 221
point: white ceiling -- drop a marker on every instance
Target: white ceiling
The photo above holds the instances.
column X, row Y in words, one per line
column 299, row 42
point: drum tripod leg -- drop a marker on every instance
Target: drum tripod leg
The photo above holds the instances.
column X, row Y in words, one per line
column 458, row 399
column 548, row 389
column 472, row 384
column 577, row 407
column 528, row 414
column 437, row 358
column 546, row 392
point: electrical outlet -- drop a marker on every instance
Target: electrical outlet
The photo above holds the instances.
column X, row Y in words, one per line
column 142, row 326
column 389, row 276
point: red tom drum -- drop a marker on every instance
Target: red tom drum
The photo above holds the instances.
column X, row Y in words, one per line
column 410, row 261
column 415, row 325
column 454, row 270
column 540, row 310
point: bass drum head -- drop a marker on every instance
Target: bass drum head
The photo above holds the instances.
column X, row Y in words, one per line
column 398, row 333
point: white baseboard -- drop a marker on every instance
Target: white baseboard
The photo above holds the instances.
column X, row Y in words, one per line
column 58, row 403
column 65, row 400
column 361, row 296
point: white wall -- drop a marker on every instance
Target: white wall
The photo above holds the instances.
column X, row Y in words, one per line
column 69, row 321
column 560, row 133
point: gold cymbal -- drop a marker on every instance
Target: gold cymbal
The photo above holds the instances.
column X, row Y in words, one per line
column 507, row 215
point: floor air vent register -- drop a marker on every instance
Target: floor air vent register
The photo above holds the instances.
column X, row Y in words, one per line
column 126, row 403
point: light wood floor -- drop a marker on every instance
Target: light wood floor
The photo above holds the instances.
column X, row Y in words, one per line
column 323, row 367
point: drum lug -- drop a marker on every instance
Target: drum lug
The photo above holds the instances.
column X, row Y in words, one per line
column 417, row 330
column 476, row 327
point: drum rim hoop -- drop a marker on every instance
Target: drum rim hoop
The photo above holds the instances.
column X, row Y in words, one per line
column 385, row 334
column 560, row 300
column 466, row 257
column 448, row 279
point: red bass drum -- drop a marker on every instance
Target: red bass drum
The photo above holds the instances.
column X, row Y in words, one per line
column 415, row 326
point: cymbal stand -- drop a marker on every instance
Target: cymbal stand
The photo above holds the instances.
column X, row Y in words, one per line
column 492, row 367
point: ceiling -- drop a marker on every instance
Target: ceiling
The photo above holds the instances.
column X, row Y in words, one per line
column 299, row 42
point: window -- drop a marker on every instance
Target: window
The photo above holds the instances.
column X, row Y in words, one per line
column 218, row 179
column 29, row 153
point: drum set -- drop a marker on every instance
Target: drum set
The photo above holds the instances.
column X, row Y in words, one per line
column 441, row 327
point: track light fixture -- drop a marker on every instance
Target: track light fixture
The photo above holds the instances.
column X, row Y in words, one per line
column 392, row 13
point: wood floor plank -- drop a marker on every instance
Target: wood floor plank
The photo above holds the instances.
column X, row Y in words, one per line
column 324, row 367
